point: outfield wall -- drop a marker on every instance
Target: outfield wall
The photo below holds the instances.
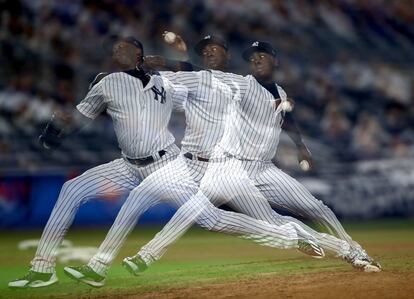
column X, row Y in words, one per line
column 27, row 200
column 366, row 190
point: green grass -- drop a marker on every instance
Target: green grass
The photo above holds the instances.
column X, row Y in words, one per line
column 202, row 258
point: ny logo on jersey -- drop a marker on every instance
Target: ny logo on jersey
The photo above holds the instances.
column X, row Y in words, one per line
column 159, row 93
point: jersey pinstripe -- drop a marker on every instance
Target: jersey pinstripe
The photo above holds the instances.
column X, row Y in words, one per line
column 140, row 114
column 254, row 125
column 210, row 93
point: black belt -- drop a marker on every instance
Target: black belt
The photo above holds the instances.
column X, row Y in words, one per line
column 145, row 161
column 194, row 157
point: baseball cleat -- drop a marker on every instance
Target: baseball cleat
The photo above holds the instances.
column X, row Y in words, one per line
column 34, row 279
column 359, row 259
column 367, row 266
column 86, row 275
column 309, row 247
column 135, row 265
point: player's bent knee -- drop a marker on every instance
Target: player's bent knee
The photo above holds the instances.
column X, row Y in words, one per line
column 71, row 191
column 207, row 224
column 209, row 219
column 68, row 187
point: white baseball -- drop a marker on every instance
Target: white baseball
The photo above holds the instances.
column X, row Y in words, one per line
column 286, row 106
column 169, row 37
column 304, row 165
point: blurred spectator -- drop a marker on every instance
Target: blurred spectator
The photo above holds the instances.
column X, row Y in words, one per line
column 368, row 138
column 14, row 99
column 336, row 130
column 342, row 61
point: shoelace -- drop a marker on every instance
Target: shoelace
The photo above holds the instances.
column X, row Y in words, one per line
column 137, row 260
column 85, row 269
column 305, row 246
column 31, row 275
column 358, row 253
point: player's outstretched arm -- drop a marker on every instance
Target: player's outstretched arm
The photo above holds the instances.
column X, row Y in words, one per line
column 60, row 126
column 292, row 129
column 158, row 63
column 63, row 124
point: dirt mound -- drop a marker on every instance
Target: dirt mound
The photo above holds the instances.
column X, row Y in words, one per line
column 387, row 284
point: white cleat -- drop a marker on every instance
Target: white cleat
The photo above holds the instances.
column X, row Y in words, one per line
column 86, row 275
column 310, row 247
column 134, row 265
column 34, row 279
column 372, row 268
column 360, row 260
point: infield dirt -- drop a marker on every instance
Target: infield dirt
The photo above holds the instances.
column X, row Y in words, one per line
column 387, row 284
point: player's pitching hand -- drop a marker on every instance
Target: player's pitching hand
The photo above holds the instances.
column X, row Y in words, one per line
column 287, row 105
column 305, row 159
column 175, row 41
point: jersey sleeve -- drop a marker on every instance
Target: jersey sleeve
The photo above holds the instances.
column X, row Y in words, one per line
column 94, row 102
column 241, row 84
column 179, row 96
column 189, row 79
column 97, row 79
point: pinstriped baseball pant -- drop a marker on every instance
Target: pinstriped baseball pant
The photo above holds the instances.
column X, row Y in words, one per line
column 180, row 180
column 110, row 180
column 232, row 182
column 284, row 193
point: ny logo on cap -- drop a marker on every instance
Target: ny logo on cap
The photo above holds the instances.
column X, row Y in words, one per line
column 207, row 37
column 255, row 44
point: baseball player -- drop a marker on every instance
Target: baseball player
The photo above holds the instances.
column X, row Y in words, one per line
column 206, row 108
column 140, row 106
column 249, row 142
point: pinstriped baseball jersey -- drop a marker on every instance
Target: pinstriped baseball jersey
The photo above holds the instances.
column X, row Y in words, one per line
column 209, row 94
column 140, row 114
column 253, row 128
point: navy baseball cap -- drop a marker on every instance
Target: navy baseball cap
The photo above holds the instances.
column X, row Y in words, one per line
column 209, row 39
column 258, row 46
column 113, row 39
